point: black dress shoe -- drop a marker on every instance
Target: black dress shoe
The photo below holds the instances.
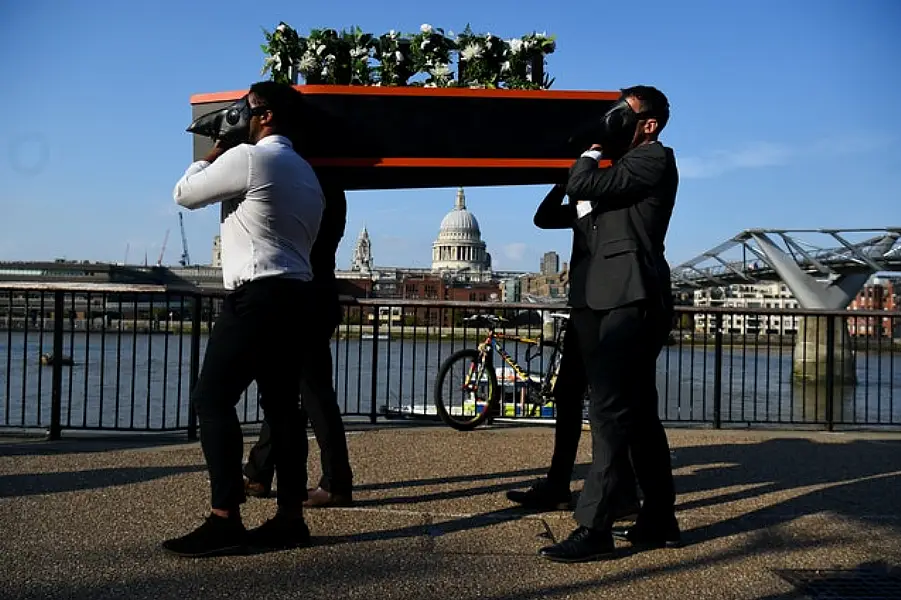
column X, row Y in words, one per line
column 542, row 496
column 649, row 536
column 280, row 533
column 218, row 536
column 582, row 545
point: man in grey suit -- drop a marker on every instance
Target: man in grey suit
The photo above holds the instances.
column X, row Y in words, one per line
column 624, row 213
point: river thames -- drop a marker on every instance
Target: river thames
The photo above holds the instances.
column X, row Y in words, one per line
column 141, row 381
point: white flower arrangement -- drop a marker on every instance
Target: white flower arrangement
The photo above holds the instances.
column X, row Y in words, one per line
column 526, row 61
column 431, row 51
column 482, row 57
column 393, row 51
column 284, row 49
column 326, row 59
column 424, row 58
column 361, row 46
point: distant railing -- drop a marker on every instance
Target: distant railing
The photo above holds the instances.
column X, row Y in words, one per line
column 125, row 357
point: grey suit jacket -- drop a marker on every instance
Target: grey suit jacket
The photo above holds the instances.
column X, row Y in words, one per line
column 639, row 188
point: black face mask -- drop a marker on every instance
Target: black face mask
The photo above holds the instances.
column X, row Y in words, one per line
column 229, row 124
column 617, row 129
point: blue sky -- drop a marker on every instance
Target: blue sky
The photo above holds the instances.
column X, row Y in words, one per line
column 784, row 115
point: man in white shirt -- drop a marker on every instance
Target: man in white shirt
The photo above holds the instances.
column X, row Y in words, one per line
column 271, row 207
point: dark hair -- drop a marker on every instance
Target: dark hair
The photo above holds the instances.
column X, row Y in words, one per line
column 284, row 101
column 653, row 102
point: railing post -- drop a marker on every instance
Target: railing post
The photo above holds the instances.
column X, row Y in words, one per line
column 718, row 372
column 56, row 390
column 830, row 371
column 374, row 383
column 195, row 363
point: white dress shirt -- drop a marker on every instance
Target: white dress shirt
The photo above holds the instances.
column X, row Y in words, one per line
column 271, row 208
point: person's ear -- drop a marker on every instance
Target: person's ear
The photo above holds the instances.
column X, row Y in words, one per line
column 266, row 119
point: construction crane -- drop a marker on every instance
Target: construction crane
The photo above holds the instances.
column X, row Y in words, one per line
column 185, row 257
column 159, row 261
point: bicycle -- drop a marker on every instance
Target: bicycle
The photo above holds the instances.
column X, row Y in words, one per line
column 479, row 371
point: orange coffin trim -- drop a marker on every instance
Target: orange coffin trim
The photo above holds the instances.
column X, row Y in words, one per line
column 459, row 163
column 372, row 90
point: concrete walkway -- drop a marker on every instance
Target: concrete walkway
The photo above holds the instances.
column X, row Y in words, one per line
column 83, row 518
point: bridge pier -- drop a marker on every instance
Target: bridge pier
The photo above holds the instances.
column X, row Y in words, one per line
column 811, row 356
column 812, row 346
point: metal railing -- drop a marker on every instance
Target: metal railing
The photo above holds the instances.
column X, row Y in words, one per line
column 125, row 357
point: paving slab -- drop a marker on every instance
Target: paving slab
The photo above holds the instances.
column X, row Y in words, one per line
column 83, row 518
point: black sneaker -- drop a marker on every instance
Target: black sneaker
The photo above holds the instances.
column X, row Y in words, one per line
column 280, row 533
column 542, row 496
column 218, row 536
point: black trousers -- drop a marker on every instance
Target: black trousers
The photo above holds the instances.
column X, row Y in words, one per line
column 257, row 336
column 620, row 349
column 569, row 395
column 320, row 402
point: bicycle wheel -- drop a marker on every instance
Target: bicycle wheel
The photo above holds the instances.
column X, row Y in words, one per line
column 466, row 377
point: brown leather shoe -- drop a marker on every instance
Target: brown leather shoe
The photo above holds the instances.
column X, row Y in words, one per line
column 256, row 489
column 320, row 498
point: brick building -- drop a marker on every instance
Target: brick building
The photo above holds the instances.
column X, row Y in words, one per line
column 879, row 295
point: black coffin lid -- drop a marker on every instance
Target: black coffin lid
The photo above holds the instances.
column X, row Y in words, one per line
column 412, row 137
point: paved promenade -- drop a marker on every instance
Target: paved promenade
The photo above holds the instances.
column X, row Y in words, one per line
column 83, row 518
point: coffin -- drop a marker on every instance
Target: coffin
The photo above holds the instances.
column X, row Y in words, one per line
column 370, row 137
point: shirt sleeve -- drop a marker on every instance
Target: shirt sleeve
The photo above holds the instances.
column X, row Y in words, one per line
column 206, row 183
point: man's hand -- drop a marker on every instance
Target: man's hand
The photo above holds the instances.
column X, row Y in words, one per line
column 594, row 152
column 217, row 150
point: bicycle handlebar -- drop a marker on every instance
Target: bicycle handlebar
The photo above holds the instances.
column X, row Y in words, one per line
column 490, row 319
